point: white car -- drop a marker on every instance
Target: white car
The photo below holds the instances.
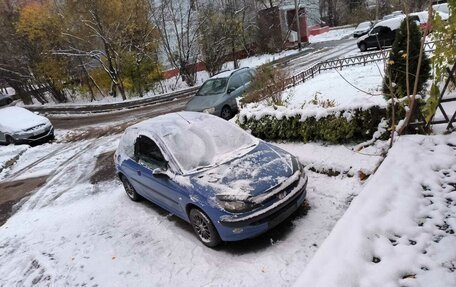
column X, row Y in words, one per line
column 362, row 29
column 21, row 126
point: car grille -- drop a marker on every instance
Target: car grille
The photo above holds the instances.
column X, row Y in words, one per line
column 281, row 194
column 40, row 135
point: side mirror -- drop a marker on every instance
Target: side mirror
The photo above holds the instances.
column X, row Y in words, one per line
column 160, row 172
column 230, row 90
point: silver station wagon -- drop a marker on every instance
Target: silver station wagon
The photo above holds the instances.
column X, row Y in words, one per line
column 217, row 96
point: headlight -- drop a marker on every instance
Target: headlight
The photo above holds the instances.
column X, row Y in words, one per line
column 233, row 205
column 209, row 111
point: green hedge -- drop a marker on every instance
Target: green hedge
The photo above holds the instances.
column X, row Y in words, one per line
column 334, row 128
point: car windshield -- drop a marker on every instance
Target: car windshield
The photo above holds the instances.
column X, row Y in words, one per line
column 213, row 87
column 364, row 25
column 206, row 142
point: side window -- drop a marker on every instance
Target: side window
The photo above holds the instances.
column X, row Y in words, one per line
column 376, row 30
column 385, row 30
column 246, row 76
column 148, row 153
column 235, row 82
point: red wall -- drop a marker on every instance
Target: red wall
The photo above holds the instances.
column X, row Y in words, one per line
column 317, row 30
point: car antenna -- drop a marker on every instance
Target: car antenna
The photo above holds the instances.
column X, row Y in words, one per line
column 183, row 118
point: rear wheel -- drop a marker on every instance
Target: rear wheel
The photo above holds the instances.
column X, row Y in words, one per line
column 129, row 189
column 227, row 113
column 363, row 47
column 204, row 228
column 9, row 140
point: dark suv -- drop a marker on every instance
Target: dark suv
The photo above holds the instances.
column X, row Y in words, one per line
column 381, row 35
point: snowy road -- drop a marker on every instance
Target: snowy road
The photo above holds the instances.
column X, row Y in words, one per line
column 321, row 52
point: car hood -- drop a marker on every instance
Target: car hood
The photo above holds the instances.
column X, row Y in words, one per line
column 16, row 120
column 361, row 30
column 200, row 103
column 264, row 167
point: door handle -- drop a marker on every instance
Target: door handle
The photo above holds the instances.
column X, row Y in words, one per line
column 138, row 172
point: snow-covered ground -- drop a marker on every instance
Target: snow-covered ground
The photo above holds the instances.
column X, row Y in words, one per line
column 334, row 158
column 74, row 232
column 350, row 86
column 332, row 35
column 400, row 231
column 9, row 154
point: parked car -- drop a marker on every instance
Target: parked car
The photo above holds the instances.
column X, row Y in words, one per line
column 443, row 7
column 422, row 19
column 362, row 29
column 226, row 183
column 217, row 96
column 393, row 15
column 5, row 99
column 20, row 126
column 382, row 34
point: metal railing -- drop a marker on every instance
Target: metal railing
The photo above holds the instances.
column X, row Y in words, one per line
column 341, row 63
column 109, row 107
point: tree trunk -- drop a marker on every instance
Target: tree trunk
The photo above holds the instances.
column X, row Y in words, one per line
column 21, row 93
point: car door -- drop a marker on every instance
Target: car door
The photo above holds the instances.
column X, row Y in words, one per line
column 235, row 89
column 152, row 174
column 385, row 37
column 391, row 37
column 372, row 39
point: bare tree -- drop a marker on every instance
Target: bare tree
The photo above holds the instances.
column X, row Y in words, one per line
column 178, row 25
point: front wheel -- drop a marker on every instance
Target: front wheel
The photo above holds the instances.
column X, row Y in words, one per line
column 9, row 140
column 363, row 47
column 130, row 190
column 204, row 228
column 226, row 113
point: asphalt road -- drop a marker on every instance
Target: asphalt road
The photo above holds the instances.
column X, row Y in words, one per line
column 67, row 122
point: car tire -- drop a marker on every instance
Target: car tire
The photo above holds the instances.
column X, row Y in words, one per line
column 203, row 228
column 130, row 190
column 363, row 47
column 226, row 113
column 9, row 140
column 9, row 101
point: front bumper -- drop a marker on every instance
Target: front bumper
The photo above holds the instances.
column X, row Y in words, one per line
column 238, row 228
column 35, row 138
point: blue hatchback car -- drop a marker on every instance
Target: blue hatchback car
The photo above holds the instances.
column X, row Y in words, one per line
column 226, row 183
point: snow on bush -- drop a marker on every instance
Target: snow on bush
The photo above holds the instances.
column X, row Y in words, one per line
column 400, row 230
column 312, row 123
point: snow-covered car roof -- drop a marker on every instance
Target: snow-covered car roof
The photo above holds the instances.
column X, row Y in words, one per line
column 393, row 24
column 424, row 15
column 364, row 24
column 197, row 140
column 441, row 8
column 226, row 74
column 17, row 119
